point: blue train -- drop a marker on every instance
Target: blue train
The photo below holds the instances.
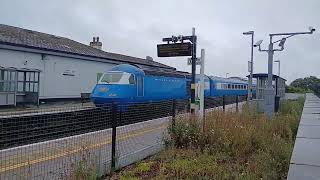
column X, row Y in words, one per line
column 129, row 84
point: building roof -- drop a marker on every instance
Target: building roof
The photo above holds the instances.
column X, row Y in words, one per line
column 15, row 36
column 265, row 75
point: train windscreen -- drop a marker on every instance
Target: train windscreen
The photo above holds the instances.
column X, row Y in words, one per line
column 117, row 78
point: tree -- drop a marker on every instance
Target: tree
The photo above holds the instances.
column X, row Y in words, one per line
column 308, row 83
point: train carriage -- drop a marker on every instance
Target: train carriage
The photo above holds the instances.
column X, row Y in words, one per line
column 129, row 84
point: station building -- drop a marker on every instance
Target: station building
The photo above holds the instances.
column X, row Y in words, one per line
column 54, row 67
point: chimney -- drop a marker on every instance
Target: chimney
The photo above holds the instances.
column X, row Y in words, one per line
column 149, row 58
column 95, row 43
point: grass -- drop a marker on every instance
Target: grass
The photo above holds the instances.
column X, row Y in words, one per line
column 243, row 145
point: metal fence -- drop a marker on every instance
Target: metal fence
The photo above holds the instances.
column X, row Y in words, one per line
column 78, row 142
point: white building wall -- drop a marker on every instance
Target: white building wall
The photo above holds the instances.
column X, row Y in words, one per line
column 80, row 75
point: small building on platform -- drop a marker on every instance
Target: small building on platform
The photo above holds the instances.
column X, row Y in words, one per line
column 66, row 67
column 278, row 83
column 19, row 86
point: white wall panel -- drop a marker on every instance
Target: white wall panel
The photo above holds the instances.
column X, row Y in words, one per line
column 61, row 77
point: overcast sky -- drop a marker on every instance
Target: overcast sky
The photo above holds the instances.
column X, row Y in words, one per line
column 136, row 27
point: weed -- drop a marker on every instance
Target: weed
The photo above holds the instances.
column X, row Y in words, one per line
column 144, row 167
column 85, row 168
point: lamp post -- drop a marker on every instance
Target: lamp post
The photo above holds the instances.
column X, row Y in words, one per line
column 269, row 93
column 251, row 66
column 278, row 61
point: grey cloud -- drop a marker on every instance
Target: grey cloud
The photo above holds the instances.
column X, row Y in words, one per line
column 135, row 27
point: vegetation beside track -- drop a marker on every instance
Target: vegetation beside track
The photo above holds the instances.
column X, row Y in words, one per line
column 243, row 145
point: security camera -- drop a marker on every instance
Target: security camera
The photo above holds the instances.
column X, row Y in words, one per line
column 258, row 43
column 311, row 29
column 283, row 40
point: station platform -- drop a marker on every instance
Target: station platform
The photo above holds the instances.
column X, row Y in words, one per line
column 305, row 159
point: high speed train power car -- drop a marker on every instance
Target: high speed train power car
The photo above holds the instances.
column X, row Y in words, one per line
column 128, row 84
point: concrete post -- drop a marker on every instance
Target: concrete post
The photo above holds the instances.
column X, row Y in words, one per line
column 269, row 94
column 202, row 83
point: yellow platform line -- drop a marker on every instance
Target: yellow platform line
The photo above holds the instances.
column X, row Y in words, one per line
column 59, row 155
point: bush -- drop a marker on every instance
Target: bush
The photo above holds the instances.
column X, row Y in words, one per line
column 239, row 146
column 244, row 145
column 183, row 135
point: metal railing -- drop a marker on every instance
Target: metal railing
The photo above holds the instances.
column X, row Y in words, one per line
column 65, row 143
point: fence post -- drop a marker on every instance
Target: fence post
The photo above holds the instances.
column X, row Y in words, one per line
column 237, row 103
column 224, row 102
column 114, row 135
column 173, row 112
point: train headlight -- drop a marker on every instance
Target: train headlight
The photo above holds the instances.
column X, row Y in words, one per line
column 103, row 89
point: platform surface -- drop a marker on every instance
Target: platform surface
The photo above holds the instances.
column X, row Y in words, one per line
column 305, row 159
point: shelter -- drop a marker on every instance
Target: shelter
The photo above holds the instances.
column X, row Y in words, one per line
column 19, row 86
column 278, row 84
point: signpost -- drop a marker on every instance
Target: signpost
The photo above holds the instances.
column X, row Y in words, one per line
column 249, row 66
column 182, row 48
column 198, row 61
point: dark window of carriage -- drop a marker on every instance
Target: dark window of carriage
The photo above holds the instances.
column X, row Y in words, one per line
column 131, row 79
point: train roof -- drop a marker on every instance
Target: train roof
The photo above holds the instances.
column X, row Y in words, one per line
column 146, row 70
column 128, row 68
column 163, row 72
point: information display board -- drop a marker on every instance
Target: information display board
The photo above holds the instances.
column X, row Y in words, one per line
column 175, row 49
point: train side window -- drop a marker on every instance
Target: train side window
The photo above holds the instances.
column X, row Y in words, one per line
column 229, row 86
column 131, row 79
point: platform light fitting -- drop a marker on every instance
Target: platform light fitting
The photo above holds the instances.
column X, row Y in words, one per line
column 248, row 33
column 283, row 40
column 311, row 29
column 258, row 43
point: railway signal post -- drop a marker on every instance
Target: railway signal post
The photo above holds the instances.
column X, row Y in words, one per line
column 176, row 46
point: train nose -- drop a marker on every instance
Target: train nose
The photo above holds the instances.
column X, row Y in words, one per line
column 103, row 93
